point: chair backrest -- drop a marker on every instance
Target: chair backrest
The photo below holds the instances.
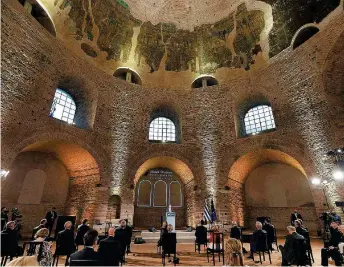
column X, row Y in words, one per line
column 84, row 263
column 202, row 237
column 32, row 248
column 300, row 251
column 169, row 243
column 218, row 242
column 262, row 242
column 6, row 247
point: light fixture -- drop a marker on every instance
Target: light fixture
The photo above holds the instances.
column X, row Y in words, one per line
column 339, row 150
column 338, row 175
column 3, row 173
column 325, row 182
column 316, row 181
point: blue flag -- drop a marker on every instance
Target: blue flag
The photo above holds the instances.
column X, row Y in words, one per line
column 213, row 212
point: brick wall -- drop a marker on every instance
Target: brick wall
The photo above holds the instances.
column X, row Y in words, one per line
column 113, row 124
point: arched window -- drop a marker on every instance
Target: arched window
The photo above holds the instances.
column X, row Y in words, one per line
column 204, row 81
column 303, row 35
column 175, row 194
column 128, row 75
column 162, row 129
column 63, row 107
column 160, row 194
column 144, row 194
column 259, row 119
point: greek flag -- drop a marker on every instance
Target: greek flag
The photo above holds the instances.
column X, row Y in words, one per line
column 206, row 212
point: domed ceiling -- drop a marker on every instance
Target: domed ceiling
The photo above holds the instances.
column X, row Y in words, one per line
column 190, row 37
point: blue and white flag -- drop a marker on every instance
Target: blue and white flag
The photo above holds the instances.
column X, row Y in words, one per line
column 206, row 212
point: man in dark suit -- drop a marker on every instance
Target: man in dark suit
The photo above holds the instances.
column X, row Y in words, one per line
column 87, row 256
column 294, row 216
column 41, row 225
column 332, row 250
column 235, row 231
column 11, row 239
column 294, row 250
column 65, row 244
column 270, row 230
column 256, row 237
column 201, row 235
column 51, row 217
column 122, row 236
column 110, row 250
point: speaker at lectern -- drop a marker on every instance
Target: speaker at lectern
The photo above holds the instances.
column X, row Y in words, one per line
column 171, row 218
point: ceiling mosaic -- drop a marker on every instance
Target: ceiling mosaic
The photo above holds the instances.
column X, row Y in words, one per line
column 198, row 36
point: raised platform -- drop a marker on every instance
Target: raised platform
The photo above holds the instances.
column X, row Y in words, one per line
column 182, row 236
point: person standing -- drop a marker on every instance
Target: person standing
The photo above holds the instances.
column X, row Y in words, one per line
column 51, row 217
column 294, row 216
column 110, row 250
column 333, row 249
column 4, row 217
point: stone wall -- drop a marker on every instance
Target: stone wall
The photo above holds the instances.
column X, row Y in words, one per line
column 114, row 117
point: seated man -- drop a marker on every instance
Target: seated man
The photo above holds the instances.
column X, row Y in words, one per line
column 293, row 252
column 201, row 234
column 110, row 250
column 333, row 249
column 82, row 230
column 88, row 253
column 40, row 226
column 65, row 244
column 255, row 238
column 12, row 239
column 270, row 230
column 235, row 231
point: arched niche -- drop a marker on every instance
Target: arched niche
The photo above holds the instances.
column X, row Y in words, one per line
column 303, row 35
column 33, row 187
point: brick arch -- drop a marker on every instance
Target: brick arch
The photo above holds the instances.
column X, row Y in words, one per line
column 67, row 148
column 185, row 174
column 251, row 160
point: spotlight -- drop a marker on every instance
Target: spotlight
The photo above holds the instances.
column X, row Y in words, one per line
column 316, row 181
column 3, row 173
column 325, row 182
column 339, row 150
column 338, row 175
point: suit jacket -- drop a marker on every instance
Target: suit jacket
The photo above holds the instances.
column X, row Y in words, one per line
column 79, row 239
column 50, row 217
column 85, row 254
column 294, row 248
column 235, row 232
column 109, row 251
column 201, row 234
column 270, row 230
column 122, row 237
column 65, row 242
column 294, row 216
column 336, row 238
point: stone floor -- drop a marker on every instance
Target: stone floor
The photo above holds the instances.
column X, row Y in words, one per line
column 145, row 255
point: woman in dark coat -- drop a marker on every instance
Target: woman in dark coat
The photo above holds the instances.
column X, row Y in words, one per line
column 82, row 229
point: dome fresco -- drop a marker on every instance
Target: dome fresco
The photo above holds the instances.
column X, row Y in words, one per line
column 195, row 36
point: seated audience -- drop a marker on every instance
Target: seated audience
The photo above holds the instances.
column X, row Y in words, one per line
column 45, row 258
column 270, row 230
column 110, row 250
column 65, row 241
column 88, row 253
column 40, row 226
column 254, row 245
column 235, row 231
column 213, row 238
column 300, row 229
column 293, row 252
column 201, row 234
column 13, row 239
column 233, row 253
column 82, row 229
column 333, row 249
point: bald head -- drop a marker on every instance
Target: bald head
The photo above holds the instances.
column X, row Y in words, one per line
column 111, row 231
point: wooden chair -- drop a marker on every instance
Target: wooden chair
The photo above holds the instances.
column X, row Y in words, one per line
column 309, row 251
column 169, row 246
column 262, row 248
column 8, row 249
column 217, row 246
column 201, row 240
column 275, row 239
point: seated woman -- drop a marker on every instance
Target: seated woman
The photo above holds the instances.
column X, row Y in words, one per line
column 215, row 239
column 82, row 229
column 46, row 256
column 233, row 253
